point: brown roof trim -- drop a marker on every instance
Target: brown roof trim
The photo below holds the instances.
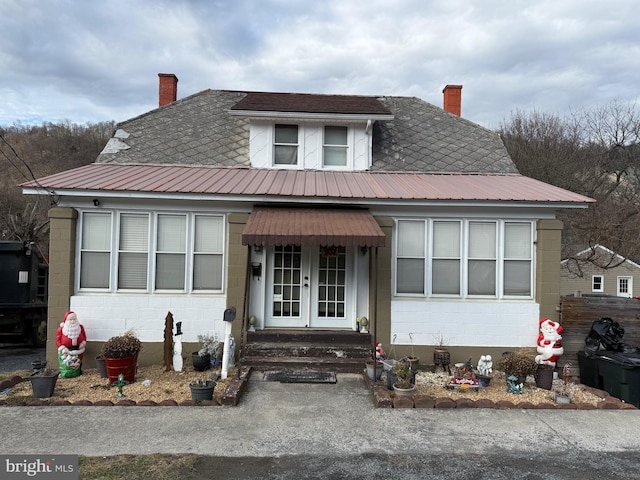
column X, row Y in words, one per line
column 311, row 103
column 312, row 227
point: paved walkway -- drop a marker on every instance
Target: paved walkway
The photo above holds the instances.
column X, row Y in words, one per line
column 276, row 419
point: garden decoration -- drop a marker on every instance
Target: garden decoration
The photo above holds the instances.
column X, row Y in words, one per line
column 177, row 349
column 71, row 341
column 168, row 342
column 549, row 343
column 253, row 320
column 485, row 369
column 513, row 386
column 464, row 377
column 121, row 382
column 485, row 365
column 563, row 395
column 379, row 353
column 364, row 323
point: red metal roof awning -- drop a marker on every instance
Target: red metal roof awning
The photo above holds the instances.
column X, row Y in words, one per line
column 311, row 227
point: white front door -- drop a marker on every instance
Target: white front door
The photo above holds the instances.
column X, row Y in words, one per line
column 625, row 286
column 310, row 287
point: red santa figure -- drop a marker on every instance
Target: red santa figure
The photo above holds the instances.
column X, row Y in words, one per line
column 379, row 355
column 549, row 342
column 71, row 340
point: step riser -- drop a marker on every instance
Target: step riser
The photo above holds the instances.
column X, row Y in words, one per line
column 304, row 336
column 306, row 351
column 340, row 351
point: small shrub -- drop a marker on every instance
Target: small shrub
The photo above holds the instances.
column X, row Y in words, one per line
column 122, row 346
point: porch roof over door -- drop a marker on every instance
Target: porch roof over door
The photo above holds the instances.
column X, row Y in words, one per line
column 312, row 227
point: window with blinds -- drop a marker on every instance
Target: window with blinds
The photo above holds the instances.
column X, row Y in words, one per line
column 152, row 252
column 464, row 258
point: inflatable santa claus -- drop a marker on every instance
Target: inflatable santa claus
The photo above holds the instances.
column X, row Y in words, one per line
column 71, row 341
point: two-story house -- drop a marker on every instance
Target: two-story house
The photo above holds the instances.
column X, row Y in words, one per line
column 308, row 212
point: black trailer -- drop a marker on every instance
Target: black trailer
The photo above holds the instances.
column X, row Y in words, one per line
column 24, row 276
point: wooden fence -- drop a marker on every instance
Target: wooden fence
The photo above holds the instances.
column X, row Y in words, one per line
column 578, row 313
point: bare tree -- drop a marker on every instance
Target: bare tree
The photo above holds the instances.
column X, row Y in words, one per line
column 30, row 152
column 595, row 153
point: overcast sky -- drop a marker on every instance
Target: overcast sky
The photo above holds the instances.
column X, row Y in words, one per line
column 89, row 61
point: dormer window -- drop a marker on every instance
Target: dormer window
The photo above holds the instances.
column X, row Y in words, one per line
column 285, row 150
column 335, row 146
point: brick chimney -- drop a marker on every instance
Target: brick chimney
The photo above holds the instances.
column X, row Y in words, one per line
column 453, row 99
column 168, row 89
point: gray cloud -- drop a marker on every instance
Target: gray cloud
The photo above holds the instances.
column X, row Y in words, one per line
column 87, row 61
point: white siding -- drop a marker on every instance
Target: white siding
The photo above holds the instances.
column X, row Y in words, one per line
column 470, row 323
column 104, row 316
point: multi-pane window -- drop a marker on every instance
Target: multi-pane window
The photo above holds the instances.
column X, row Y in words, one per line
column 133, row 248
column 95, row 250
column 482, row 258
column 171, row 252
column 179, row 252
column 445, row 275
column 597, row 283
column 517, row 258
column 335, row 146
column 285, row 147
column 411, row 257
column 207, row 253
column 464, row 258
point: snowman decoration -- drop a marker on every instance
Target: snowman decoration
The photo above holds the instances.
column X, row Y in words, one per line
column 177, row 348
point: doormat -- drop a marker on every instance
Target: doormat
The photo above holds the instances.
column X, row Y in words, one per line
column 300, row 376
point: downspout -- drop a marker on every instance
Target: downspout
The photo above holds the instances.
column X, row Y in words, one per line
column 375, row 310
column 245, row 316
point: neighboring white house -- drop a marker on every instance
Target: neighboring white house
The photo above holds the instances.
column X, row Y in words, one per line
column 622, row 280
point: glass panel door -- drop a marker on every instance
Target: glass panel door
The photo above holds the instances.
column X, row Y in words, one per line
column 286, row 304
column 332, row 295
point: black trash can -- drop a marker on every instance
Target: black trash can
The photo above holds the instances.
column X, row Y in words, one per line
column 620, row 375
column 589, row 374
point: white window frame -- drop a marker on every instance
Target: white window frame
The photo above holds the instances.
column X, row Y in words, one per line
column 82, row 249
column 629, row 280
column 121, row 252
column 276, row 144
column 344, row 146
column 190, row 253
column 465, row 257
column 600, row 279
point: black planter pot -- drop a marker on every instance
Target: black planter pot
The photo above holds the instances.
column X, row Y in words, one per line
column 43, row 385
column 544, row 377
column 101, row 366
column 202, row 391
column 200, row 363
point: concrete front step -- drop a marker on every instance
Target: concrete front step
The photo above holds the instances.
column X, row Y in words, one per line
column 310, row 336
column 337, row 350
column 300, row 349
column 344, row 365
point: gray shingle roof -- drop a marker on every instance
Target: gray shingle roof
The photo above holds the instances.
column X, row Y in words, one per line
column 198, row 130
column 423, row 137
